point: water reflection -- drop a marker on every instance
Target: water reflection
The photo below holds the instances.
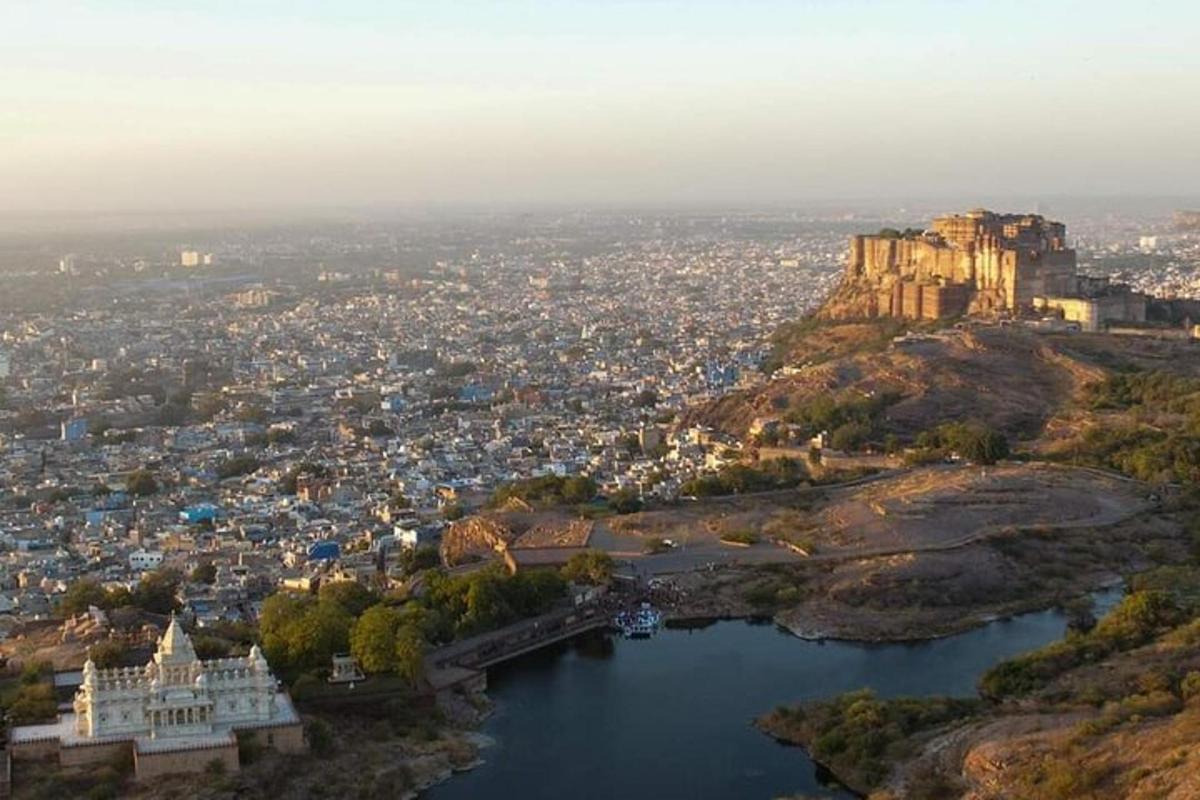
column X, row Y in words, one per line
column 669, row 717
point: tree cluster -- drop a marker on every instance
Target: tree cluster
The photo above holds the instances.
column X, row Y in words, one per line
column 154, row 593
column 857, row 734
column 776, row 473
column 1137, row 619
column 973, row 442
column 546, row 491
column 852, row 422
column 300, row 633
column 237, row 466
column 593, row 567
column 141, row 483
column 386, row 639
column 466, row 605
column 1159, row 440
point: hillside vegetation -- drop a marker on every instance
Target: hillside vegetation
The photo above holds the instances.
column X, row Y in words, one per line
column 1008, row 378
column 1107, row 713
column 1123, row 403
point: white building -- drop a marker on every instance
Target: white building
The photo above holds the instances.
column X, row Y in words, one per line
column 194, row 258
column 145, row 559
column 177, row 713
column 176, row 694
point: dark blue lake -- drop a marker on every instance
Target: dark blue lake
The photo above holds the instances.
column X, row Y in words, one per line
column 669, row 717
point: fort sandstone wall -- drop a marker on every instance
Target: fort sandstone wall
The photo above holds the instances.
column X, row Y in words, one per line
column 979, row 263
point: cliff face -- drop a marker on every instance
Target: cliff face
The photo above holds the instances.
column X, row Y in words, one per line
column 490, row 534
column 476, row 537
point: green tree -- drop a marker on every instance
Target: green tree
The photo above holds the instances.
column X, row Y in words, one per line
column 208, row 647
column 625, row 501
column 252, row 412
column 320, row 737
column 141, row 483
column 592, row 567
column 486, row 606
column 237, row 466
column 33, row 703
column 420, row 558
column 108, row 653
column 281, row 436
column 378, row 427
column 119, row 597
column 280, row 612
column 373, row 639
column 646, row 398
column 208, row 406
column 323, row 631
column 81, row 594
column 171, row 415
column 578, row 489
column 156, row 590
column 205, row 572
column 288, row 482
column 301, row 633
column 850, row 436
column 352, row 596
column 409, row 658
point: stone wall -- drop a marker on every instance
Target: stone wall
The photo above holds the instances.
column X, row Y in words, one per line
column 1094, row 313
column 149, row 766
column 36, row 750
column 83, row 755
column 950, row 300
column 284, row 738
column 1001, row 261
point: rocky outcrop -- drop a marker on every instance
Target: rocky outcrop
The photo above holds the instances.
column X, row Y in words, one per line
column 475, row 538
column 492, row 533
column 1011, row 379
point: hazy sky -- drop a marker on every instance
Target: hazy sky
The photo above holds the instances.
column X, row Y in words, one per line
column 235, row 103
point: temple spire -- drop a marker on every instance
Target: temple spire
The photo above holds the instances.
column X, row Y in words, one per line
column 175, row 646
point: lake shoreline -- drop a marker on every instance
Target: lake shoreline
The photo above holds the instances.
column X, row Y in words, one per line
column 522, row 693
column 823, row 620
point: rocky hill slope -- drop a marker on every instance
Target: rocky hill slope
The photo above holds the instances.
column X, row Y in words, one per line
column 1021, row 382
column 1008, row 378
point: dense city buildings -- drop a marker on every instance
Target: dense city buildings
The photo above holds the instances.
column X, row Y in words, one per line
column 245, row 412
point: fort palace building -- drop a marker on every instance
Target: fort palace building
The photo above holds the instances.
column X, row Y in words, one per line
column 978, row 263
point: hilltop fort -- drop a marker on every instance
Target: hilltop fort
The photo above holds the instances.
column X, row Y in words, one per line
column 980, row 262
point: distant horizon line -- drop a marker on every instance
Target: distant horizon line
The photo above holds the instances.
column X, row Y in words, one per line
column 827, row 203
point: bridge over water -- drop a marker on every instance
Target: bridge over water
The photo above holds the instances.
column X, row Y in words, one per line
column 465, row 660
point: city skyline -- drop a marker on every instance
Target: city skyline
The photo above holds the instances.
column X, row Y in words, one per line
column 270, row 105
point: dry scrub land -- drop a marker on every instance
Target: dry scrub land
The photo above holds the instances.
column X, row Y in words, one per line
column 924, row 553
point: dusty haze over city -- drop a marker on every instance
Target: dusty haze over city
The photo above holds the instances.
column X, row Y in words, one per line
column 173, row 105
